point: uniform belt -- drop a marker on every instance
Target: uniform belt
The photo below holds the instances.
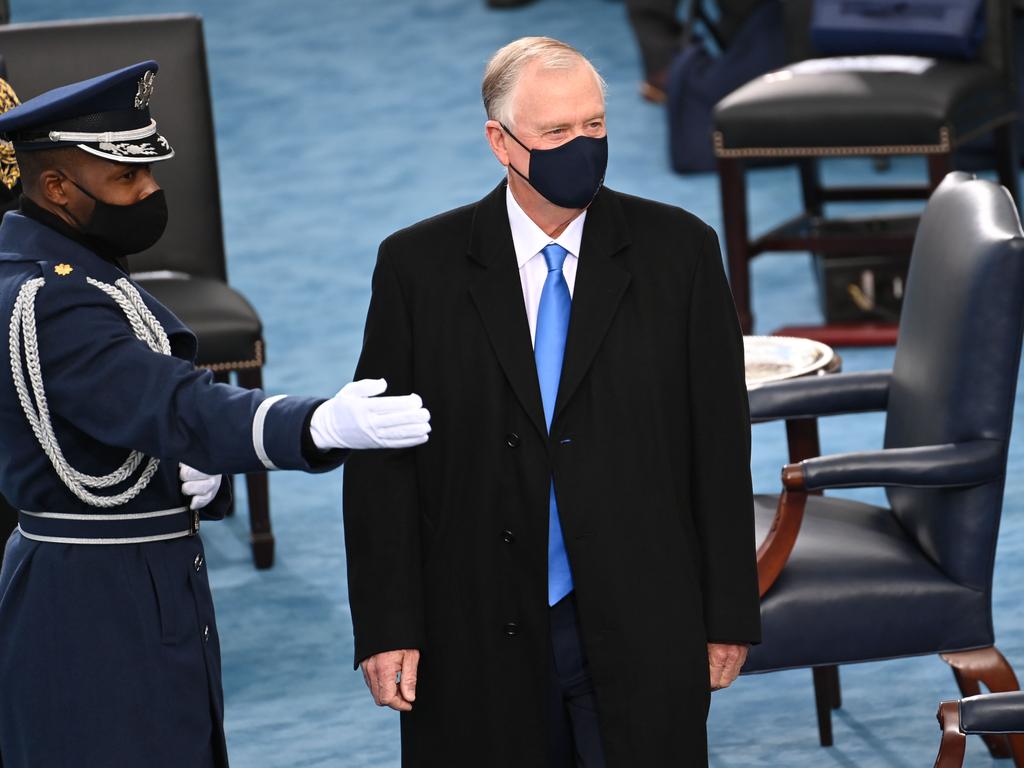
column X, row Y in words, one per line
column 138, row 528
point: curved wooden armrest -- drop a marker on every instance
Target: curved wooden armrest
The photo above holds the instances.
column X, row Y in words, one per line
column 954, row 742
column 778, row 544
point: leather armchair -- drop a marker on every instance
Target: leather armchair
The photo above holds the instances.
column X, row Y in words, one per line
column 839, row 107
column 845, row 582
column 186, row 269
column 993, row 714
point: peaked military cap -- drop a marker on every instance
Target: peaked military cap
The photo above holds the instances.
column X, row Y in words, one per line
column 107, row 116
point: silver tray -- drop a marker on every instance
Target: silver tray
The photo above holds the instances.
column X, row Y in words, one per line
column 775, row 358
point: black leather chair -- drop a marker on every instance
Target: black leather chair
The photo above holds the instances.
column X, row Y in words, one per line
column 186, row 270
column 795, row 116
column 993, row 714
column 845, row 582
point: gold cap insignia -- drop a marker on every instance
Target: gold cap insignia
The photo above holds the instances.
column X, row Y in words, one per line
column 145, row 92
column 63, row 269
column 9, row 172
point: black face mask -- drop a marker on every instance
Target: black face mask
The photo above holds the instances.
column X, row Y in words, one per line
column 570, row 175
column 125, row 229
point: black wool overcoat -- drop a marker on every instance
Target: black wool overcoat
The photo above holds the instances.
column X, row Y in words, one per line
column 649, row 450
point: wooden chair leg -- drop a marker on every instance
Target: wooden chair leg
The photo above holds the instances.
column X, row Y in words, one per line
column 802, row 439
column 733, row 189
column 938, row 166
column 259, row 494
column 824, row 698
column 954, row 743
column 1008, row 160
column 810, row 186
column 803, row 442
column 837, row 693
column 988, row 667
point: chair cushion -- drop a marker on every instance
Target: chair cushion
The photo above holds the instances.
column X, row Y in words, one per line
column 844, row 107
column 229, row 330
column 856, row 588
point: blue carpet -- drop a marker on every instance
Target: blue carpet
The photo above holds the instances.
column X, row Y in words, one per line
column 341, row 121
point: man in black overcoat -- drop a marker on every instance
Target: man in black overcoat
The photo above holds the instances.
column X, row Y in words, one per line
column 566, row 571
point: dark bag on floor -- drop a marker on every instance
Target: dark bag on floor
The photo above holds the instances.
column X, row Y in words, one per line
column 944, row 28
column 698, row 80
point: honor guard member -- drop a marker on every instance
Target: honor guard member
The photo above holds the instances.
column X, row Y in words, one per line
column 109, row 653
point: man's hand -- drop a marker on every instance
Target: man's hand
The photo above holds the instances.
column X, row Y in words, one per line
column 199, row 485
column 725, row 662
column 381, row 673
column 357, row 418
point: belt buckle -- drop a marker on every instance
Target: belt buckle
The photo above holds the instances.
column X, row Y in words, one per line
column 193, row 522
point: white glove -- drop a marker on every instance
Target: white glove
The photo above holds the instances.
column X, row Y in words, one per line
column 199, row 485
column 357, row 418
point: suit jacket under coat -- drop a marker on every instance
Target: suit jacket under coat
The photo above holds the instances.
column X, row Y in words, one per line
column 649, row 449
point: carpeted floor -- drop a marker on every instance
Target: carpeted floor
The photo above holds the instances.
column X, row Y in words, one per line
column 339, row 121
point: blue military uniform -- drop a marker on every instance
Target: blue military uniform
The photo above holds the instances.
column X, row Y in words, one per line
column 109, row 654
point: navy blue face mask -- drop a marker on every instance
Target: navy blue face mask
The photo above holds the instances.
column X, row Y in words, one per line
column 569, row 175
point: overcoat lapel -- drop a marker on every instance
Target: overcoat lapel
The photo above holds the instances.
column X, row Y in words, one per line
column 600, row 286
column 498, row 295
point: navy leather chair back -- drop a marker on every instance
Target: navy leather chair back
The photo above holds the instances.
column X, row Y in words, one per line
column 957, row 358
column 44, row 55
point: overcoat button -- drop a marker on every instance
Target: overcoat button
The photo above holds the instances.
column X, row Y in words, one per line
column 198, row 563
column 206, row 633
column 511, row 629
column 508, row 537
column 512, row 440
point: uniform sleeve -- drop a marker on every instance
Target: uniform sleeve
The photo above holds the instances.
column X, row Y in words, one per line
column 380, row 493
column 722, row 500
column 102, row 380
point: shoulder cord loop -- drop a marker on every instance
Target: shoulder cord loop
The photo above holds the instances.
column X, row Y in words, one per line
column 23, row 334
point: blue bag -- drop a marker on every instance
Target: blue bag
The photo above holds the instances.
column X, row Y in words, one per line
column 943, row 28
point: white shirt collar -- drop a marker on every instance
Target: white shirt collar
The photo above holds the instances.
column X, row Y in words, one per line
column 529, row 239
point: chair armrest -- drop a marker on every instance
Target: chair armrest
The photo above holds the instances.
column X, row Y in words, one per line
column 954, row 742
column 993, row 713
column 827, row 395
column 932, row 466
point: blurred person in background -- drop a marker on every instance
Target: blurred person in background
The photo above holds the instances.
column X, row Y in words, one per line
column 661, row 34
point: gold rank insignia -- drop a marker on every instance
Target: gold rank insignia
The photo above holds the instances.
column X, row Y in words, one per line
column 63, row 269
column 9, row 172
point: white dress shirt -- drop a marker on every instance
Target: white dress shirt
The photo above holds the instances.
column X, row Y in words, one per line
column 529, row 241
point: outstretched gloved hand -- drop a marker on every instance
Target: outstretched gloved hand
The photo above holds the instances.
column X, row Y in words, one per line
column 199, row 485
column 357, row 418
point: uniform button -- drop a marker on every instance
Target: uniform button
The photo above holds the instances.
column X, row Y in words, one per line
column 206, row 633
column 511, row 629
column 198, row 563
column 508, row 537
column 512, row 440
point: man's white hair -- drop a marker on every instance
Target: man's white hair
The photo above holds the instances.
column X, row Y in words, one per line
column 507, row 65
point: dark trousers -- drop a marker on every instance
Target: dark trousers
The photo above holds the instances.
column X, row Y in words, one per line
column 574, row 735
column 658, row 31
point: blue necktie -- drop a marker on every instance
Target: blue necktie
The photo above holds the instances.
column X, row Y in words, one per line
column 548, row 351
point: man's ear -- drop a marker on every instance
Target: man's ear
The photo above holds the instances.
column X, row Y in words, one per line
column 496, row 138
column 51, row 187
